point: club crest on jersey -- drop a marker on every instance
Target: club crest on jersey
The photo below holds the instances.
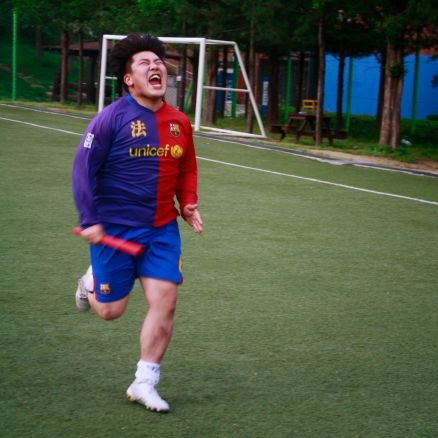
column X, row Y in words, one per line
column 88, row 140
column 174, row 129
column 138, row 129
column 105, row 288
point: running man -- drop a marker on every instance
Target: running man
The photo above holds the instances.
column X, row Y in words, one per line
column 136, row 156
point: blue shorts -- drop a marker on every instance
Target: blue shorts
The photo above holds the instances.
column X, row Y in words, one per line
column 115, row 271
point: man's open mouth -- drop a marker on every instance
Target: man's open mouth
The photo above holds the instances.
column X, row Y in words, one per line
column 155, row 79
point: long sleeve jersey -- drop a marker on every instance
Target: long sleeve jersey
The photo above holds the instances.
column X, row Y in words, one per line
column 131, row 163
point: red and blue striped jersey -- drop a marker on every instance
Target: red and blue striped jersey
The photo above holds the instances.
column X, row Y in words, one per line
column 131, row 163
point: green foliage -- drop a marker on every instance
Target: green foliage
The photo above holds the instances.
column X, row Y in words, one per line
column 35, row 74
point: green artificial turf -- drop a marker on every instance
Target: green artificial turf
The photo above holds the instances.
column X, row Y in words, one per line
column 307, row 309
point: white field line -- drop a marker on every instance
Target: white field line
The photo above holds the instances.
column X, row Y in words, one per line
column 40, row 126
column 256, row 169
column 45, row 111
column 247, row 145
column 321, row 159
column 319, row 181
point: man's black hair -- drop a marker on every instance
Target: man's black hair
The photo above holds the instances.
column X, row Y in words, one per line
column 122, row 53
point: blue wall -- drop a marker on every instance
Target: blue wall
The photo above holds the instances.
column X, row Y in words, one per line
column 365, row 86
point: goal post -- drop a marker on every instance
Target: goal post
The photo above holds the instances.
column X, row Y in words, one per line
column 203, row 43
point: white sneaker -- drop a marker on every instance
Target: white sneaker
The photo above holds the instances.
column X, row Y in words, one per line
column 84, row 289
column 146, row 394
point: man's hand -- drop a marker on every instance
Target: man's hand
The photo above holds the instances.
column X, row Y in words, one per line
column 191, row 214
column 93, row 234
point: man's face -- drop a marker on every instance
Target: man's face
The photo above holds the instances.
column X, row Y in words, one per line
column 147, row 78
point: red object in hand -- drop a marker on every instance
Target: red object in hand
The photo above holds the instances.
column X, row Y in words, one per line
column 131, row 248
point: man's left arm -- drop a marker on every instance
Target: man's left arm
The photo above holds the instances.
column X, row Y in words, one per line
column 186, row 192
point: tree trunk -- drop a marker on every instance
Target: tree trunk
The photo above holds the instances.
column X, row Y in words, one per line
column 183, row 80
column 95, row 66
column 224, row 82
column 390, row 128
column 195, row 65
column 321, row 74
column 340, row 90
column 395, row 120
column 210, row 110
column 81, row 67
column 251, row 71
column 300, row 79
column 182, row 89
column 210, row 113
column 274, row 70
column 381, row 90
column 90, row 77
column 64, row 66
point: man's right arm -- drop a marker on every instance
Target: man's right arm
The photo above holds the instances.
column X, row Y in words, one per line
column 90, row 156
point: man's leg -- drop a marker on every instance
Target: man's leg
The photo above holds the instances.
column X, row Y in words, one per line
column 158, row 324
column 86, row 298
column 155, row 336
column 108, row 311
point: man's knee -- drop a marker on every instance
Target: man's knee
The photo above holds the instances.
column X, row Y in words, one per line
column 110, row 311
column 108, row 314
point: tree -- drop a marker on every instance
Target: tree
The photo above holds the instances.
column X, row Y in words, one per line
column 321, row 15
column 403, row 25
column 435, row 77
column 276, row 29
column 273, row 34
column 352, row 36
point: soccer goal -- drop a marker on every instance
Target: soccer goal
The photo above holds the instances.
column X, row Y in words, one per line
column 203, row 43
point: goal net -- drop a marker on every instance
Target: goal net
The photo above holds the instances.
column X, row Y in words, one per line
column 201, row 82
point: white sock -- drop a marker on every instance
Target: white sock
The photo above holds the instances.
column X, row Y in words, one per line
column 148, row 372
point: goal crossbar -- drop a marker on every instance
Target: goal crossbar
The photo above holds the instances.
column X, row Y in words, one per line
column 203, row 43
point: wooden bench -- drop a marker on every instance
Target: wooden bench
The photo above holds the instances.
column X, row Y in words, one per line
column 304, row 125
